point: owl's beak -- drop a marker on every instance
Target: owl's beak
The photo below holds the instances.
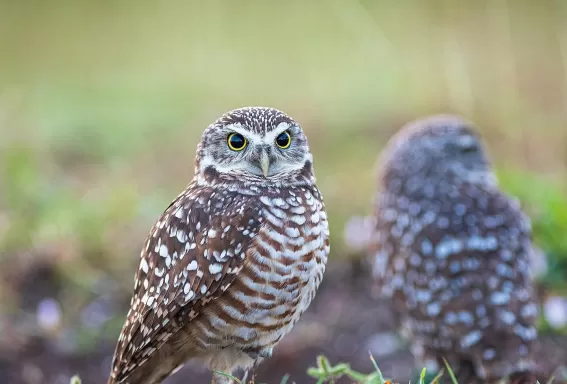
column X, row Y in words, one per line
column 265, row 163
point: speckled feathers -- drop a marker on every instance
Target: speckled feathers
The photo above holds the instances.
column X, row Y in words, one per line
column 452, row 251
column 192, row 255
column 235, row 259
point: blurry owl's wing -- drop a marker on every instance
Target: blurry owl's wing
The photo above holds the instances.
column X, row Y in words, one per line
column 473, row 252
column 382, row 246
column 191, row 256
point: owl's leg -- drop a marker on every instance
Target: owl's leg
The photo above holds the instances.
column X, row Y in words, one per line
column 219, row 378
column 463, row 368
column 501, row 368
column 250, row 371
column 227, row 361
column 424, row 357
column 251, row 358
column 257, row 355
column 221, row 366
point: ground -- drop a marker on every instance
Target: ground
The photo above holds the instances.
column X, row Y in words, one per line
column 343, row 329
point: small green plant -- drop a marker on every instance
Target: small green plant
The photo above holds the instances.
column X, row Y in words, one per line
column 243, row 380
column 436, row 378
column 236, row 380
column 327, row 373
column 75, row 380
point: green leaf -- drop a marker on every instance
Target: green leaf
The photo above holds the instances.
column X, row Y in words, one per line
column 284, row 379
column 229, row 376
column 379, row 373
column 324, row 364
column 422, row 376
column 451, row 374
column 339, row 369
column 437, row 377
column 315, row 373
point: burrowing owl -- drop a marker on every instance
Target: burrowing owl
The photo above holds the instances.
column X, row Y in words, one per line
column 452, row 251
column 235, row 259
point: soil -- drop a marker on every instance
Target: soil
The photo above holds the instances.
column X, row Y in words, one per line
column 342, row 328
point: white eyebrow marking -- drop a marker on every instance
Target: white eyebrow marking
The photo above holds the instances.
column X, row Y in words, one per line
column 271, row 136
column 255, row 138
column 466, row 141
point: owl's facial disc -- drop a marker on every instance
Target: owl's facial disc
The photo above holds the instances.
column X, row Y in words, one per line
column 437, row 148
column 467, row 157
column 277, row 153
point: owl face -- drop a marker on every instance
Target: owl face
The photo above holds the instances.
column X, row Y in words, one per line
column 440, row 147
column 255, row 144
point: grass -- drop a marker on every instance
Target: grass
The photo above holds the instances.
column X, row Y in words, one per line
column 451, row 374
column 325, row 372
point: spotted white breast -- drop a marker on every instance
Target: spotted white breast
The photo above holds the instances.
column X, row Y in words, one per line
column 283, row 269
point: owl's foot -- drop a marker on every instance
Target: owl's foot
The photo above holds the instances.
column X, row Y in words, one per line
column 256, row 353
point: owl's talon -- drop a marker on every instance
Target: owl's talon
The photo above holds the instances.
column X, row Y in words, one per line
column 254, row 354
column 266, row 353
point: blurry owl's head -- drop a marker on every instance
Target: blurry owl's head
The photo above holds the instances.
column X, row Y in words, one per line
column 254, row 144
column 434, row 149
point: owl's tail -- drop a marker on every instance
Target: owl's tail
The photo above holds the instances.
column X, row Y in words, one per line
column 111, row 380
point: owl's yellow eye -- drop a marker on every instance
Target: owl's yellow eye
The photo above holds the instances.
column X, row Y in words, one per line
column 236, row 142
column 283, row 140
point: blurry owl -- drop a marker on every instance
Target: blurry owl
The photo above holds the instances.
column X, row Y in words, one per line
column 452, row 251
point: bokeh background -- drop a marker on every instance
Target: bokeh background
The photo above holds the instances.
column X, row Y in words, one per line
column 102, row 104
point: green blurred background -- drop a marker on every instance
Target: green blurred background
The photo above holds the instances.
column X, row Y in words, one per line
column 102, row 104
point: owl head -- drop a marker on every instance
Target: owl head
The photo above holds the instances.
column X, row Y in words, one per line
column 434, row 149
column 256, row 145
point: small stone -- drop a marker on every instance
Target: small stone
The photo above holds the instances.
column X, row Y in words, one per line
column 383, row 343
column 555, row 311
column 48, row 315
